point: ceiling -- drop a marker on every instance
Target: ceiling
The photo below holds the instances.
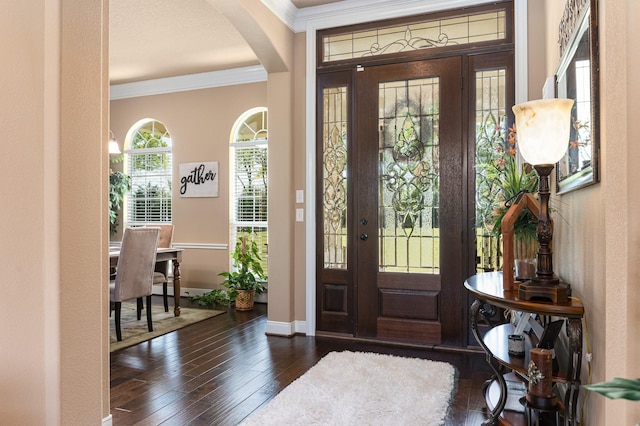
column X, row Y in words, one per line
column 150, row 39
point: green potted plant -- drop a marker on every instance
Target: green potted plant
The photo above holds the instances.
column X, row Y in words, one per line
column 247, row 277
column 216, row 297
column 241, row 284
column 501, row 181
column 618, row 388
column 119, row 185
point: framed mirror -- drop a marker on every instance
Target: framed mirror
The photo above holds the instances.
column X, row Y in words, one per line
column 577, row 78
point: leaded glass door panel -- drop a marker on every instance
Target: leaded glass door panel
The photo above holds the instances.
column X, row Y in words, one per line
column 392, row 202
column 408, row 203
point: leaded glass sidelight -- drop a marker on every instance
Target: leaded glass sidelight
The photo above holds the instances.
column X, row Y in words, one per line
column 334, row 177
column 409, row 237
column 491, row 133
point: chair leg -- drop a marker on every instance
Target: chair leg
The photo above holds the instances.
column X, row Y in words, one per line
column 139, row 308
column 118, row 306
column 164, row 296
column 149, row 322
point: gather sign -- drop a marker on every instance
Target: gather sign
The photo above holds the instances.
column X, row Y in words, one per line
column 199, row 179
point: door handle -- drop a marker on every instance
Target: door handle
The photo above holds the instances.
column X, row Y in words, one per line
column 364, row 237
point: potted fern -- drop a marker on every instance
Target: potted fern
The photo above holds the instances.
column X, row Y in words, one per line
column 247, row 277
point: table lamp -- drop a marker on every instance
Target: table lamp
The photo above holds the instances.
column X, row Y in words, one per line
column 543, row 137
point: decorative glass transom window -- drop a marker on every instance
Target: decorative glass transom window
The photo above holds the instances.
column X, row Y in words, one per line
column 148, row 163
column 433, row 33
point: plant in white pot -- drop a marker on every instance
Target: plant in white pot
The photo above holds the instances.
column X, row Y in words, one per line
column 247, row 277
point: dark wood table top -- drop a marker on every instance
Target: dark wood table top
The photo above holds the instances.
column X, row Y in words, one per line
column 487, row 286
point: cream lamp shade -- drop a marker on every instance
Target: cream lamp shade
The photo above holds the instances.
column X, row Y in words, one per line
column 543, row 128
column 113, row 144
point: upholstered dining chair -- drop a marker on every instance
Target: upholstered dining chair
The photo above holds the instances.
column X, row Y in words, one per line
column 161, row 273
column 134, row 273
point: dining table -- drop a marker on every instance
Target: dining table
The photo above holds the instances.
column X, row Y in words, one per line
column 163, row 255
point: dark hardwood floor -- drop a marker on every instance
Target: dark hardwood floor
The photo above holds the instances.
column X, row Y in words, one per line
column 219, row 371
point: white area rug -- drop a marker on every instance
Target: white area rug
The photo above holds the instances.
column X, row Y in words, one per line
column 357, row 388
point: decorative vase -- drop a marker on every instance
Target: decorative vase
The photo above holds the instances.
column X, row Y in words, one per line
column 525, row 268
column 524, row 254
column 244, row 300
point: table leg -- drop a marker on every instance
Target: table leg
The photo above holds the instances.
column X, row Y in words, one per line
column 176, row 288
column 476, row 308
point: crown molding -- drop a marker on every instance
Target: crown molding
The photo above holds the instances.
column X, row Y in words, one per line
column 357, row 11
column 284, row 10
column 184, row 83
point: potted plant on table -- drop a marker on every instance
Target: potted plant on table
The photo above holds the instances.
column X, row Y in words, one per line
column 501, row 181
column 247, row 277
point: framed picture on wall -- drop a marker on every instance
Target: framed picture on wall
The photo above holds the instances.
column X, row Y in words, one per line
column 577, row 78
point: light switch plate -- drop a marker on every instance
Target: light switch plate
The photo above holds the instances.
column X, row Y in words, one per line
column 299, row 195
column 299, row 215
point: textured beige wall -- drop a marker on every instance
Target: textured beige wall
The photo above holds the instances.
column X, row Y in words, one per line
column 536, row 48
column 299, row 172
column 596, row 238
column 281, row 198
column 22, row 361
column 200, row 123
column 53, row 115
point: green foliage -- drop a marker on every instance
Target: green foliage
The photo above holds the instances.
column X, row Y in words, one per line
column 514, row 181
column 151, row 201
column 119, row 185
column 248, row 273
column 499, row 180
column 618, row 388
column 149, row 161
column 251, row 175
column 214, row 297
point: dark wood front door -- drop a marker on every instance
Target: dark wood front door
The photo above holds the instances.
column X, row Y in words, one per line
column 390, row 183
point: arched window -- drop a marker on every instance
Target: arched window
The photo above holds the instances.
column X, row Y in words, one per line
column 248, row 180
column 148, row 163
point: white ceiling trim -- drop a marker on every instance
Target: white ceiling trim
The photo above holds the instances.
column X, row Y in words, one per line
column 184, row 83
column 285, row 10
column 358, row 11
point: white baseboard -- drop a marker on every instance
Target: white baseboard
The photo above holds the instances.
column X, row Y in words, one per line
column 300, row 327
column 107, row 421
column 278, row 328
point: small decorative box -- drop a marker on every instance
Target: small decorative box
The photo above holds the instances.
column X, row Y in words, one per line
column 516, row 344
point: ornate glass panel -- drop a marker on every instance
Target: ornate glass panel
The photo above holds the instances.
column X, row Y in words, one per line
column 491, row 132
column 334, row 177
column 409, row 237
column 416, row 36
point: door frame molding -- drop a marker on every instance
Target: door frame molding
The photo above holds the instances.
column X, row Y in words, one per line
column 314, row 25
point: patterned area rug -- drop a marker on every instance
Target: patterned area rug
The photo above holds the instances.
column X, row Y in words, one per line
column 357, row 388
column 134, row 331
